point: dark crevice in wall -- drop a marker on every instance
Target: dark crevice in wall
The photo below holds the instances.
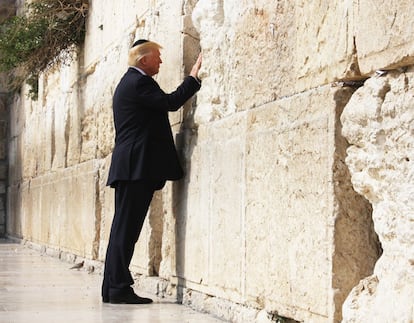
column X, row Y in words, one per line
column 67, row 136
column 156, row 221
column 356, row 244
column 52, row 137
column 98, row 220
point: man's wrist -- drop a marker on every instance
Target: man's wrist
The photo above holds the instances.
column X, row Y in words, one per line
column 196, row 78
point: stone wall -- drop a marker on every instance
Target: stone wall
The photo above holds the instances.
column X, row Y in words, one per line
column 266, row 224
column 7, row 9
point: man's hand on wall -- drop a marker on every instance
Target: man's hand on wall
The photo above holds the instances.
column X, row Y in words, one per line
column 196, row 67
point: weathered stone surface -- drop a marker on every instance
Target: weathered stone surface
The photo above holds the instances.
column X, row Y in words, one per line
column 378, row 122
column 383, row 35
column 65, row 221
column 290, row 223
column 192, row 242
column 230, row 67
column 356, row 245
column 325, row 46
column 106, row 205
column 110, row 25
column 266, row 221
column 168, row 264
column 261, row 51
column 219, row 167
column 275, row 50
column 257, row 188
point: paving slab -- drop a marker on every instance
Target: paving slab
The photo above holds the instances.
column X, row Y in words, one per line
column 40, row 288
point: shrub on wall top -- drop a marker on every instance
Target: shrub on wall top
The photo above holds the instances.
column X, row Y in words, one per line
column 39, row 38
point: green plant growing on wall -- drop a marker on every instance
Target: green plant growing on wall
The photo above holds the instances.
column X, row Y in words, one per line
column 44, row 35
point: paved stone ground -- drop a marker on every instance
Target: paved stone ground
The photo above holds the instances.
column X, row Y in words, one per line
column 40, row 288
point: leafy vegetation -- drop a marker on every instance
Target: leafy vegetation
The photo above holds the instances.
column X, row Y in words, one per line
column 42, row 36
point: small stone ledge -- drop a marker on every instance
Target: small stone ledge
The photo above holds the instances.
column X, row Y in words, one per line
column 204, row 303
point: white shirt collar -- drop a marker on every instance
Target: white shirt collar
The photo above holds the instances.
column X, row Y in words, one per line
column 138, row 69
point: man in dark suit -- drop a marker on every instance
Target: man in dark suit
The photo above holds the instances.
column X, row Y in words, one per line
column 143, row 159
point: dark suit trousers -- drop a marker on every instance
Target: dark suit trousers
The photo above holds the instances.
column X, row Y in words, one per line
column 132, row 200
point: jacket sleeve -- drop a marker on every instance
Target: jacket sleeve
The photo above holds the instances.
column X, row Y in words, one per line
column 150, row 95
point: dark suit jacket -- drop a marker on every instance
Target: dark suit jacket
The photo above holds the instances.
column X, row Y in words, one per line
column 144, row 145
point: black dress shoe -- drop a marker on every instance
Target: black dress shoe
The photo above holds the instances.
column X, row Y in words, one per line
column 130, row 298
column 105, row 299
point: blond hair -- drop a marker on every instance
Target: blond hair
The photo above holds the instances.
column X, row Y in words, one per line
column 136, row 53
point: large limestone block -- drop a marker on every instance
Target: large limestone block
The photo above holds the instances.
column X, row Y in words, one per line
column 192, row 222
column 351, row 39
column 324, row 42
column 257, row 52
column 109, row 22
column 383, row 34
column 289, row 206
column 31, row 142
column 226, row 239
column 378, row 122
column 210, row 216
column 169, row 26
column 56, row 143
column 59, row 210
column 15, row 149
column 96, row 131
column 247, row 50
column 61, row 97
column 60, row 105
column 17, row 116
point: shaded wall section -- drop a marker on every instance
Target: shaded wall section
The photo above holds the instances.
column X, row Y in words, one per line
column 3, row 159
column 7, row 9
